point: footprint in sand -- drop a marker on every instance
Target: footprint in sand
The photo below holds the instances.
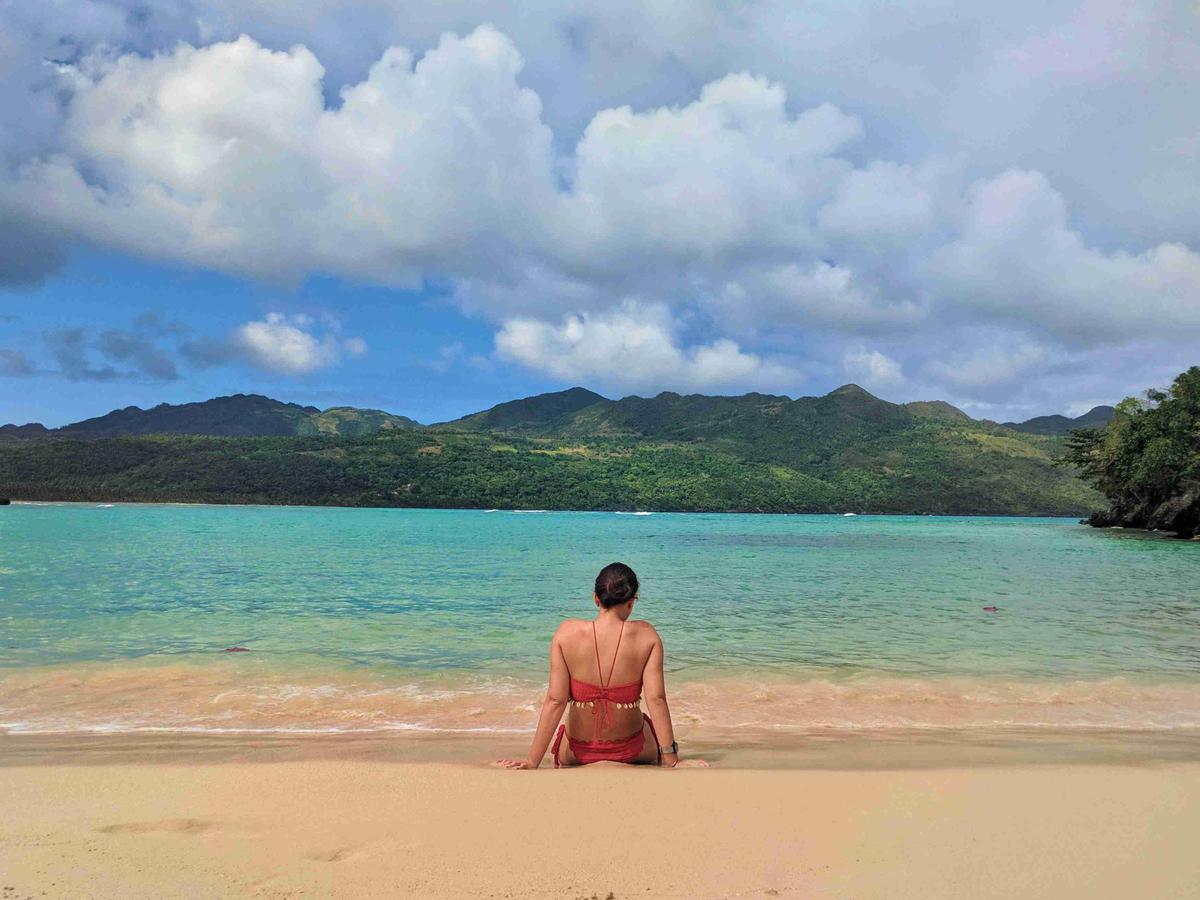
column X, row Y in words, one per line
column 339, row 854
column 175, row 826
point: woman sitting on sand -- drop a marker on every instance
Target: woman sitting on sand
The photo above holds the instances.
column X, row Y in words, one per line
column 605, row 722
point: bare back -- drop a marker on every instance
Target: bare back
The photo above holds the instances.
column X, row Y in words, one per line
column 624, row 657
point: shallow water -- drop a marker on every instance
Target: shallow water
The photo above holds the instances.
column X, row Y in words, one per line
column 114, row 618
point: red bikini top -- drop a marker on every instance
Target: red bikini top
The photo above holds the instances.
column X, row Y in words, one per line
column 601, row 696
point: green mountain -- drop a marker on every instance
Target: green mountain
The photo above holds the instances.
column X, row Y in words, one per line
column 539, row 410
column 845, row 451
column 858, row 451
column 240, row 415
column 936, row 409
column 759, row 420
column 350, row 422
column 1096, row 417
column 29, row 431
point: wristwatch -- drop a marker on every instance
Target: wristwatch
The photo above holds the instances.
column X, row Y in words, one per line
column 673, row 748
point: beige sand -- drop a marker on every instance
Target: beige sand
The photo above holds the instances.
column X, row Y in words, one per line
column 365, row 828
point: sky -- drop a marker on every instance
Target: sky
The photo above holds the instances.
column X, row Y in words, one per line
column 432, row 208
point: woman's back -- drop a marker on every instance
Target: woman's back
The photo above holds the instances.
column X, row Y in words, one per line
column 604, row 654
column 600, row 671
column 621, row 648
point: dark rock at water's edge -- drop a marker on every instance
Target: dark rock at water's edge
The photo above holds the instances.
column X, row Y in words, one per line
column 1178, row 515
column 4, row 501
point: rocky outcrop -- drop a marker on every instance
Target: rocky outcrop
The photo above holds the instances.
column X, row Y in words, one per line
column 1178, row 515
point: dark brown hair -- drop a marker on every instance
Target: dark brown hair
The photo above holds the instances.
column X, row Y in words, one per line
column 616, row 584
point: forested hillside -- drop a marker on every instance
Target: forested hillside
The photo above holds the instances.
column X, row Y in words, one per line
column 240, row 415
column 845, row 451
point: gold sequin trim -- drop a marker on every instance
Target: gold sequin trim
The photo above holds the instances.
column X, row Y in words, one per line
column 581, row 703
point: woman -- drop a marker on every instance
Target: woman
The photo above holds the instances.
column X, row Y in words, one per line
column 598, row 671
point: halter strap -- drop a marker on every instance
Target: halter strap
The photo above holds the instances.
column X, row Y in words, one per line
column 601, row 712
column 596, row 647
column 613, row 665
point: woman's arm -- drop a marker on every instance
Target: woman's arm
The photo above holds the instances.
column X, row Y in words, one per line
column 557, row 694
column 654, row 685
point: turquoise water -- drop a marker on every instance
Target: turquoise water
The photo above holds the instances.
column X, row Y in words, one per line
column 430, row 618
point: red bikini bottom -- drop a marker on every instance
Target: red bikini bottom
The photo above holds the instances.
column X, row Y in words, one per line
column 625, row 750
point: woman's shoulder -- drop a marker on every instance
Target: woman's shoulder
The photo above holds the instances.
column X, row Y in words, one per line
column 632, row 626
column 642, row 627
column 569, row 626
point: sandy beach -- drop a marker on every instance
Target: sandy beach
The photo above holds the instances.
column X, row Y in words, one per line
column 101, row 825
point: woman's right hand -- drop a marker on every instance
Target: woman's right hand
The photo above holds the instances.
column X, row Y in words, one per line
column 515, row 764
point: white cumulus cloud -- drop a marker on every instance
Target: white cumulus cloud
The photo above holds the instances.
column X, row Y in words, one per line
column 1017, row 258
column 636, row 348
column 227, row 156
column 733, row 168
column 873, row 368
column 984, row 368
column 731, row 174
column 287, row 345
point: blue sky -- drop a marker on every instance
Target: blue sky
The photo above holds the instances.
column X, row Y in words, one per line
column 431, row 208
column 425, row 359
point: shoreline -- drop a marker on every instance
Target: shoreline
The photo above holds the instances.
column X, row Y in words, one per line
column 728, row 749
column 14, row 501
column 360, row 828
column 224, row 693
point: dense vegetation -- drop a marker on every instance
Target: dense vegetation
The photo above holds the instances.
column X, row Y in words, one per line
column 1147, row 461
column 241, row 415
column 846, row 451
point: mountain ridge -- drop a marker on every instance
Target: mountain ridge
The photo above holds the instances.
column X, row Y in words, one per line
column 1097, row 416
column 847, row 450
column 535, row 408
column 256, row 415
column 232, row 415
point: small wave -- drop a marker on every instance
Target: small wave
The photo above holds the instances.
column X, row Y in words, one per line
column 188, row 697
column 65, row 727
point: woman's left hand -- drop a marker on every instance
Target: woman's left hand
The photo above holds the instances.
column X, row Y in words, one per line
column 515, row 764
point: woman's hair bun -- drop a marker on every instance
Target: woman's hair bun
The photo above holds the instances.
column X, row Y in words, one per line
column 620, row 592
column 616, row 584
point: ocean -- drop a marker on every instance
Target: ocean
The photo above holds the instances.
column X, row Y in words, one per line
column 118, row 618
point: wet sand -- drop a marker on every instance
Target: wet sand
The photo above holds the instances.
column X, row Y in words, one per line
column 725, row 748
column 164, row 816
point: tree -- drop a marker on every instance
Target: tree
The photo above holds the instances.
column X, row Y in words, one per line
column 1147, row 460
